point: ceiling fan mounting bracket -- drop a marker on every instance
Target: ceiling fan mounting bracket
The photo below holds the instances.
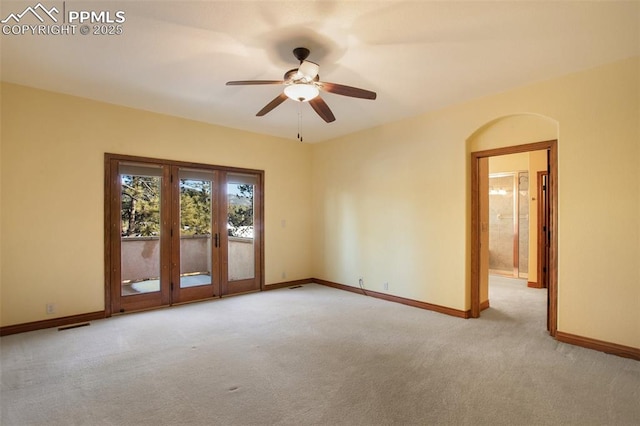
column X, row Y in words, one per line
column 301, row 53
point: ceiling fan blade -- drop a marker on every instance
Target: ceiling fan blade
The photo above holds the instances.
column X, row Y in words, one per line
column 253, row 82
column 271, row 105
column 320, row 106
column 340, row 89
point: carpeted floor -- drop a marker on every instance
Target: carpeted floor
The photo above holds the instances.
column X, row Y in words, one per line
column 316, row 356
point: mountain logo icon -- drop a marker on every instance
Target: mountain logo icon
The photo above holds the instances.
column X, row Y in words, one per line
column 39, row 11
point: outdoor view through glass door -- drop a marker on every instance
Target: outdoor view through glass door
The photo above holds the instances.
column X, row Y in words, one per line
column 139, row 235
column 179, row 232
column 141, row 228
column 194, row 245
column 239, row 274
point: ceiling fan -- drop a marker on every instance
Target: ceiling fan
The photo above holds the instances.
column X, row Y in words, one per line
column 303, row 84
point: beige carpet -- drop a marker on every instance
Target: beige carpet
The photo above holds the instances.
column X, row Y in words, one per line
column 316, row 356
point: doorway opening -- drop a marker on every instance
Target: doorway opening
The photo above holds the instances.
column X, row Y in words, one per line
column 546, row 260
column 509, row 219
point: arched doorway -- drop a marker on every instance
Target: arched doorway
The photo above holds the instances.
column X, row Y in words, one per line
column 504, row 136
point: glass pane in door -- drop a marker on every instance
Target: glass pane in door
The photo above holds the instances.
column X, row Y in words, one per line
column 241, row 253
column 501, row 220
column 523, row 224
column 195, row 227
column 140, row 217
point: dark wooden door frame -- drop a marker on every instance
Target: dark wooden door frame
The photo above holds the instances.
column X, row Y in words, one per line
column 552, row 148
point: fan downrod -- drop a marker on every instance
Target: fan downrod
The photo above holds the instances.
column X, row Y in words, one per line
column 301, row 53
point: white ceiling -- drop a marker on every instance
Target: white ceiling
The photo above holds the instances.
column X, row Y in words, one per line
column 174, row 57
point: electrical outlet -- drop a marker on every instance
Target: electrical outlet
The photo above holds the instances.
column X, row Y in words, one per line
column 386, row 286
column 284, row 275
column 51, row 308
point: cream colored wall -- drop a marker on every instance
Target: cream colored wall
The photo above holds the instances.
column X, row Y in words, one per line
column 509, row 163
column 52, row 193
column 391, row 203
column 380, row 199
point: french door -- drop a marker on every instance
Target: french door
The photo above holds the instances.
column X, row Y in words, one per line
column 179, row 232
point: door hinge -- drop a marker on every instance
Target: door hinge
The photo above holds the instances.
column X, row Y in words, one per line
column 171, row 286
column 171, row 178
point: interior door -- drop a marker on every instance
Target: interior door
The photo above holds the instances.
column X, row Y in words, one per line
column 543, row 230
column 544, row 240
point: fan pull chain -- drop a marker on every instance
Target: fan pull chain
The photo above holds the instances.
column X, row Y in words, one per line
column 299, row 119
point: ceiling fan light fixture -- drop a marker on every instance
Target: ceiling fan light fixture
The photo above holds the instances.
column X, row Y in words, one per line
column 301, row 92
column 308, row 70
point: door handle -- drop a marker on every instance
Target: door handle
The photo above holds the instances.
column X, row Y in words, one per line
column 215, row 239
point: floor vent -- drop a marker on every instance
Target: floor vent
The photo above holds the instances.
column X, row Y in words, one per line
column 297, row 286
column 69, row 327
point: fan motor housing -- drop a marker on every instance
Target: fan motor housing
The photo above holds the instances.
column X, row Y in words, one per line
column 289, row 75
